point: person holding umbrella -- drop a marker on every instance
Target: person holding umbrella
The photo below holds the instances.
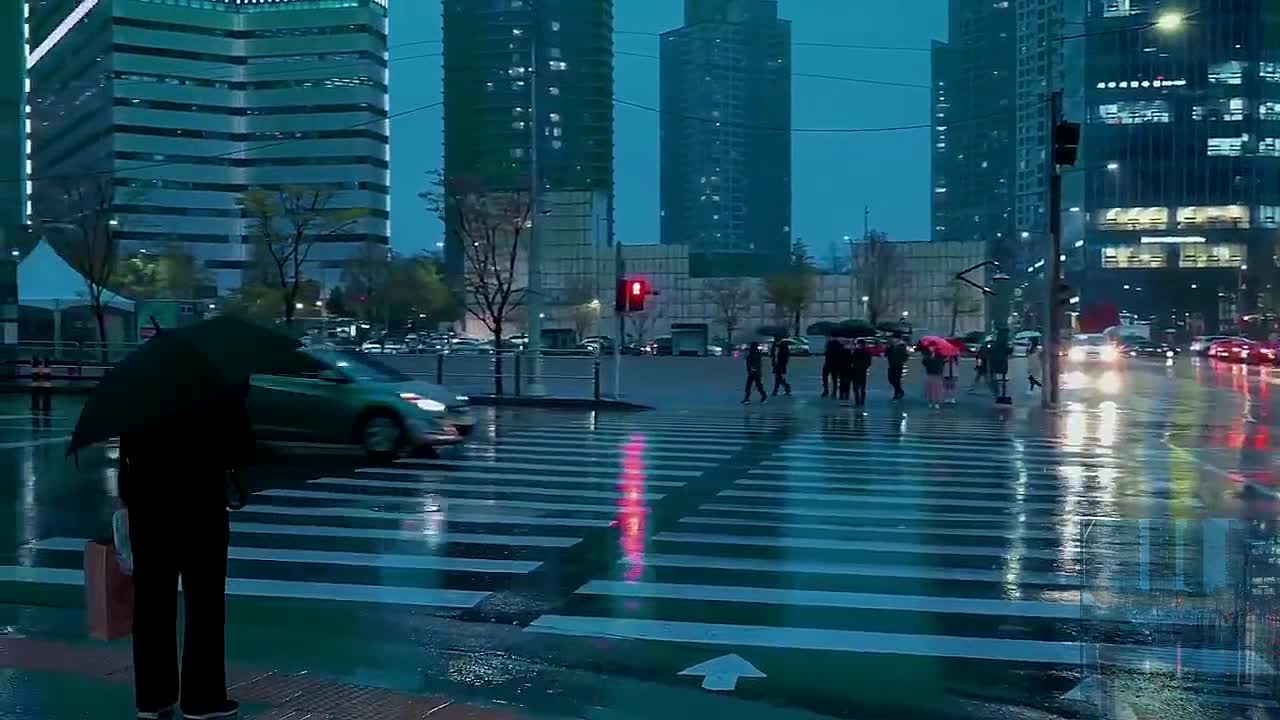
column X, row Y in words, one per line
column 781, row 357
column 755, row 371
column 178, row 405
column 896, row 354
column 860, row 365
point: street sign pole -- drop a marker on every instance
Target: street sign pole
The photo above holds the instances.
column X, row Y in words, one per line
column 619, row 272
column 1001, row 287
column 1053, row 316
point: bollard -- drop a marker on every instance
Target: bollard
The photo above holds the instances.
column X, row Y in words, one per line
column 595, row 372
column 440, row 368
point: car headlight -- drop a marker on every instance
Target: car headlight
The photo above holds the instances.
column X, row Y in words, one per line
column 1075, row 354
column 1108, row 353
column 1168, row 353
column 423, row 403
column 462, row 399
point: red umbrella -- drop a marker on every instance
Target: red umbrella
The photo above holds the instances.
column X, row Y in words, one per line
column 939, row 345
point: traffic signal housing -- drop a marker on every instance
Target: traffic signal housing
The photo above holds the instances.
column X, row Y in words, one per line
column 630, row 295
column 1066, row 143
column 1062, row 296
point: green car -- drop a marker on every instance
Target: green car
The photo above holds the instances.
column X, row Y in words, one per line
column 335, row 396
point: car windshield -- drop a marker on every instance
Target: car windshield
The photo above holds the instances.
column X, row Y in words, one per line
column 360, row 367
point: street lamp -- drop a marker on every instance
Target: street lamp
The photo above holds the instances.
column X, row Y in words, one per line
column 1113, row 166
column 1170, row 21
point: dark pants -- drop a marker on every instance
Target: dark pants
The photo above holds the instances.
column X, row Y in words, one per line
column 860, row 387
column 830, row 380
column 779, row 381
column 41, row 398
column 846, row 377
column 168, row 543
column 895, row 379
column 753, row 379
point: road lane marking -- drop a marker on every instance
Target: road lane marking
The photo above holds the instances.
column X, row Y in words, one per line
column 372, row 561
column 903, row 499
column 560, row 470
column 859, row 641
column 863, row 546
column 450, row 515
column 495, row 489
column 611, row 508
column 1012, row 529
column 447, row 536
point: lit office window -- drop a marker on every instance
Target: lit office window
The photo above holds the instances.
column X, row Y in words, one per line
column 1227, row 146
column 1226, row 255
column 1133, row 257
column 1269, row 109
column 1230, row 216
column 1269, row 147
column 1230, row 72
column 1134, row 218
column 1133, row 112
column 1269, row 71
column 1269, row 216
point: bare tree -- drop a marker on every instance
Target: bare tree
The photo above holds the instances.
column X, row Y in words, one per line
column 78, row 213
column 731, row 299
column 877, row 267
column 643, row 323
column 792, row 290
column 959, row 300
column 488, row 228
column 286, row 224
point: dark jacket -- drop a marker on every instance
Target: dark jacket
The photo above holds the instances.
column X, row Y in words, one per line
column 860, row 359
column 896, row 354
column 934, row 364
column 755, row 360
column 183, row 463
column 781, row 357
column 834, row 354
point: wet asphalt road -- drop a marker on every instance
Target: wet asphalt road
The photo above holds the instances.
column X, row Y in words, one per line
column 864, row 564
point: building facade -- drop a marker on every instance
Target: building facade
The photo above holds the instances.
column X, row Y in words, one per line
column 492, row 53
column 725, row 139
column 13, row 71
column 974, row 158
column 182, row 105
column 1181, row 162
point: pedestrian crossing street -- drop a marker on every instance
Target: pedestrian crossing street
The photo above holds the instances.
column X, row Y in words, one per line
column 784, row 531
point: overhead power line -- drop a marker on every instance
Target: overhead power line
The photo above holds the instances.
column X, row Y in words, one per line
column 794, row 43
column 867, row 81
column 833, row 131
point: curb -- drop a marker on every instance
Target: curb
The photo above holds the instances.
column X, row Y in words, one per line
column 557, row 403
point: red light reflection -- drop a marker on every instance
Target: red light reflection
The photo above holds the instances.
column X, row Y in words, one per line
column 631, row 508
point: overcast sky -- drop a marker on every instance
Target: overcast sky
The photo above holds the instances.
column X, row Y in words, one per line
column 835, row 174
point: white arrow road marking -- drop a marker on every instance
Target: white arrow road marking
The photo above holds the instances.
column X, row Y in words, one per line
column 722, row 673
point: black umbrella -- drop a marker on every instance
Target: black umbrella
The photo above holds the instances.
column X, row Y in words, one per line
column 176, row 371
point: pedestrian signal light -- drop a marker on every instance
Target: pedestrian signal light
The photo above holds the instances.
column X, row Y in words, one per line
column 1063, row 297
column 636, row 292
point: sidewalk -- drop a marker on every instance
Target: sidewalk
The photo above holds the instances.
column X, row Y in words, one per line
column 52, row 680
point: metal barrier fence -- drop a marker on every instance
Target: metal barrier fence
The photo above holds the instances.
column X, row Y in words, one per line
column 565, row 373
column 76, row 353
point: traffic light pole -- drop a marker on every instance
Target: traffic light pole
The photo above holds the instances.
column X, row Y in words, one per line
column 619, row 271
column 1053, row 312
column 533, row 286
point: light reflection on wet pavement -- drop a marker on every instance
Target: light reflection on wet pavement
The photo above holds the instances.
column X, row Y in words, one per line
column 864, row 564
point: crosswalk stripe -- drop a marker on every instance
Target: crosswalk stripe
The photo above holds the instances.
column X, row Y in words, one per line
column 860, row 641
column 902, row 499
column 285, row 589
column 913, row 530
column 847, row 600
column 908, row 486
column 597, row 447
column 835, row 453
column 481, row 456
column 819, row 511
column 855, row 545
column 453, row 515
column 557, row 470
column 327, row 557
column 449, row 536
column 498, row 489
column 409, row 477
column 483, row 502
column 1006, row 475
column 668, row 440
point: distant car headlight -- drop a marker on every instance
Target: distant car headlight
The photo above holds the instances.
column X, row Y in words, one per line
column 1168, row 353
column 1108, row 353
column 462, row 399
column 422, row 403
column 1076, row 354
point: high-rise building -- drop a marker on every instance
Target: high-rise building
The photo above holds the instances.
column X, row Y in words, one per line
column 726, row 136
column 974, row 126
column 1180, row 165
column 12, row 118
column 491, row 52
column 185, row 104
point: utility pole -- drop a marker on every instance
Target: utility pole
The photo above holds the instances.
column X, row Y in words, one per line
column 1053, row 279
column 533, row 286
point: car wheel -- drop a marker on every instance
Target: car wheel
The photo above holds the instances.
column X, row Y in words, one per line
column 382, row 436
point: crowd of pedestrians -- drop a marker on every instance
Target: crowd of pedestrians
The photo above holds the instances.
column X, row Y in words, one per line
column 845, row 368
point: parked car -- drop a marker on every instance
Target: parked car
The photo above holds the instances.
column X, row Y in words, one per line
column 1240, row 350
column 343, row 397
column 799, row 346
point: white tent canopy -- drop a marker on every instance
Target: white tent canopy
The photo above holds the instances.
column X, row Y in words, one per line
column 45, row 280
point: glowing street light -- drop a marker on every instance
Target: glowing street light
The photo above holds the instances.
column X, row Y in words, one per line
column 1113, row 166
column 1170, row 21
